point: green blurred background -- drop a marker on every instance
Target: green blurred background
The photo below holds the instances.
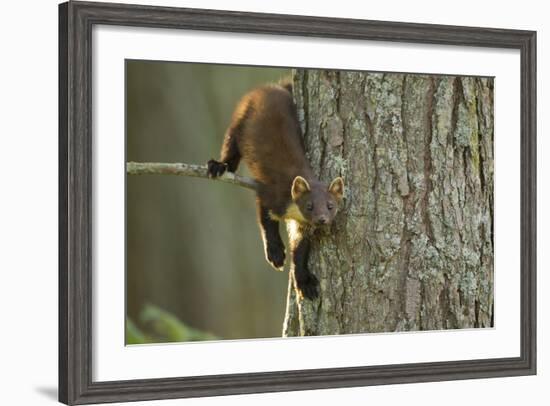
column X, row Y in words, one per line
column 194, row 262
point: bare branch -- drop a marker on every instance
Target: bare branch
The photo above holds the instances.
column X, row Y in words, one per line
column 197, row 171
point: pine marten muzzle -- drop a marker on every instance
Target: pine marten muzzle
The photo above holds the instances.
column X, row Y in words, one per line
column 265, row 133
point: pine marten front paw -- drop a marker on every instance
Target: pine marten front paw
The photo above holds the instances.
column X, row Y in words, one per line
column 275, row 255
column 307, row 286
column 216, row 168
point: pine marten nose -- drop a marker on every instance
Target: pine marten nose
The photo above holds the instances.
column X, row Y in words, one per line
column 322, row 220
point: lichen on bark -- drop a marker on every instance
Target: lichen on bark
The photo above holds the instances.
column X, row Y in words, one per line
column 412, row 246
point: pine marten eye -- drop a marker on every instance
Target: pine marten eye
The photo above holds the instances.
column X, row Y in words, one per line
column 330, row 206
column 309, row 206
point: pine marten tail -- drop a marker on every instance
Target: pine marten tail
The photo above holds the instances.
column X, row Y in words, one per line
column 286, row 82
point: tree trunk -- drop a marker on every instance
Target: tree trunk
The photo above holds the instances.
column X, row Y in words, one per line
column 412, row 246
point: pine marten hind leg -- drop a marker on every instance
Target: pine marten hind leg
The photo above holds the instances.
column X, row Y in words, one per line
column 229, row 156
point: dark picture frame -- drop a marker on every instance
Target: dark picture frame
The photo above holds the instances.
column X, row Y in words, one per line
column 76, row 20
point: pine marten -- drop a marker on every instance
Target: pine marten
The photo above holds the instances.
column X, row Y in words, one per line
column 265, row 133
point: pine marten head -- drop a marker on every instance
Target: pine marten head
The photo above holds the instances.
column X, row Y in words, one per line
column 317, row 203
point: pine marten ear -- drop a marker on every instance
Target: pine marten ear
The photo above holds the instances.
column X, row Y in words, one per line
column 299, row 187
column 337, row 188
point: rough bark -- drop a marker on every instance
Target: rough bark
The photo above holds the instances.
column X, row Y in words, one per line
column 412, row 247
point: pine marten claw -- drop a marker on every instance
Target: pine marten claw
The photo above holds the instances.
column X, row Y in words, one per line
column 307, row 288
column 216, row 168
column 276, row 257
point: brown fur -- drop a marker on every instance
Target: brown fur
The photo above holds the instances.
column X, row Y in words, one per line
column 265, row 133
column 271, row 145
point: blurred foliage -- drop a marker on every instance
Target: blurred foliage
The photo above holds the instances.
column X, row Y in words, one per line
column 193, row 247
column 160, row 326
column 134, row 335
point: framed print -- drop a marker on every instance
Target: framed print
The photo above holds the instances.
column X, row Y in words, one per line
column 259, row 202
